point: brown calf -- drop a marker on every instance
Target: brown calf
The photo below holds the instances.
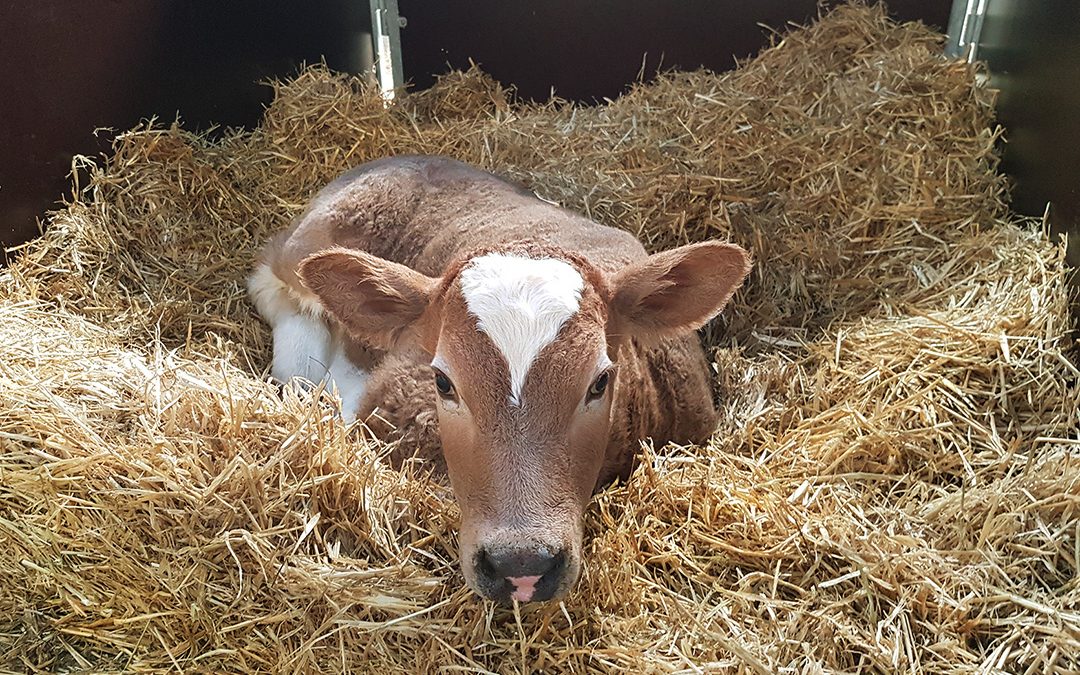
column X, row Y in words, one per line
column 547, row 345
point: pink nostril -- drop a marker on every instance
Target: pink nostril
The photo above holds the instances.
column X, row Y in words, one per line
column 524, row 587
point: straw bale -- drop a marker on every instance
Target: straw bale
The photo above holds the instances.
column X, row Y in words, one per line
column 894, row 484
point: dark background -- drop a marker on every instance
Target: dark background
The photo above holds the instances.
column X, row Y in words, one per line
column 1033, row 52
column 70, row 67
column 588, row 50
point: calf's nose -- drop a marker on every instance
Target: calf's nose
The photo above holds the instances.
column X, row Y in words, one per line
column 525, row 574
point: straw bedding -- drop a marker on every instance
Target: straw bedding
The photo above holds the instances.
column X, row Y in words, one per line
column 894, row 485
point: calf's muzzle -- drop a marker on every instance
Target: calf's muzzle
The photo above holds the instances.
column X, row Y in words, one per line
column 526, row 573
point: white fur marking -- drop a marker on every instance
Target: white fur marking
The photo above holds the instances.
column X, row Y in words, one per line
column 273, row 298
column 351, row 383
column 301, row 338
column 301, row 348
column 268, row 293
column 521, row 304
column 303, row 345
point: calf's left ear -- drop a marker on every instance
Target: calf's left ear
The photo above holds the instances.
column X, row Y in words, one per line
column 677, row 291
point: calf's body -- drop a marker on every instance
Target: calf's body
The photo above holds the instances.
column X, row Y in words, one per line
column 525, row 345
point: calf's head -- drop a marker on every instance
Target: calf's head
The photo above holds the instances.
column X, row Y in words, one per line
column 524, row 350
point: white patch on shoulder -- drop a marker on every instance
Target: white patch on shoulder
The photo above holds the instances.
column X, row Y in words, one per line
column 302, row 339
column 351, row 382
column 304, row 347
column 521, row 304
column 301, row 348
column 274, row 298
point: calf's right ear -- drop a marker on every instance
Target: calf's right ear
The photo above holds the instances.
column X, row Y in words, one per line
column 381, row 303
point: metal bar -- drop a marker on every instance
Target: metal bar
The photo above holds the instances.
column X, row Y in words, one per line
column 965, row 25
column 386, row 26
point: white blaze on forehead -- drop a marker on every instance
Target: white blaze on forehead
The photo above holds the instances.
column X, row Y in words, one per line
column 520, row 303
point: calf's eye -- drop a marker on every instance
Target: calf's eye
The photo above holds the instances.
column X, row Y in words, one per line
column 599, row 386
column 443, row 385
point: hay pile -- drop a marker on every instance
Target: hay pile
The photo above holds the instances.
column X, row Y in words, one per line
column 895, row 484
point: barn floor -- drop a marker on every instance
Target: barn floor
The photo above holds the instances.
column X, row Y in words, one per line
column 895, row 485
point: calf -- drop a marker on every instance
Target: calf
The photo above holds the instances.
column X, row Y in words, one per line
column 541, row 346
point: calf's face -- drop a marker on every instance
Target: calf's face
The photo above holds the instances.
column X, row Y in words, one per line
column 523, row 351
